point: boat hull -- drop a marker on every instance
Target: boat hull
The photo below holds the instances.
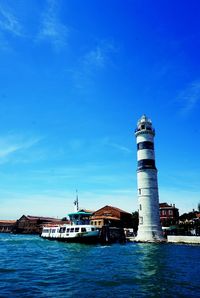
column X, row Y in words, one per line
column 86, row 240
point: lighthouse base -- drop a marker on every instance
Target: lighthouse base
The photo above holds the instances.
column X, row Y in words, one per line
column 149, row 234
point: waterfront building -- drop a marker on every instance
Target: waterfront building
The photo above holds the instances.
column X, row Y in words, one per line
column 149, row 229
column 28, row 224
column 112, row 216
column 6, row 226
column 169, row 214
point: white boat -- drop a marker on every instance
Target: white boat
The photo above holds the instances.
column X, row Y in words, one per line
column 79, row 229
column 71, row 233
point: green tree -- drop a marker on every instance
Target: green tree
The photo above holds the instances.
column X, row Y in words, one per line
column 135, row 221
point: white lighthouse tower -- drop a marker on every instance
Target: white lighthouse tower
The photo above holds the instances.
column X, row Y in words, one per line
column 149, row 229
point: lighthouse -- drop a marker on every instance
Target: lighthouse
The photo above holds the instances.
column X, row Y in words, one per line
column 149, row 229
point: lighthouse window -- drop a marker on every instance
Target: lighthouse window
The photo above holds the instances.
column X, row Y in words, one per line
column 143, row 126
column 139, row 191
column 140, row 207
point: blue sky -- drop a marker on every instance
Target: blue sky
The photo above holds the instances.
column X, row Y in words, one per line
column 75, row 76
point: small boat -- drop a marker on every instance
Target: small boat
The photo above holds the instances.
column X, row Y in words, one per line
column 79, row 230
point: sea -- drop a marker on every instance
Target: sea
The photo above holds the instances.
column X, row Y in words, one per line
column 34, row 267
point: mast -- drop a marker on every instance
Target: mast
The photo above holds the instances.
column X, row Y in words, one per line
column 76, row 204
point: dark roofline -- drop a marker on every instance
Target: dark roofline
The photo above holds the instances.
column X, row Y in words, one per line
column 39, row 217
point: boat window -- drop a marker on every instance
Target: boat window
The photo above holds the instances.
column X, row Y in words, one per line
column 68, row 230
column 46, row 231
column 62, row 230
column 53, row 231
column 76, row 230
column 72, row 230
column 93, row 229
column 83, row 229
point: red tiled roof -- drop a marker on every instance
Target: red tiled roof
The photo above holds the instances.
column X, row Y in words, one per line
column 31, row 217
column 166, row 205
column 118, row 209
column 8, row 221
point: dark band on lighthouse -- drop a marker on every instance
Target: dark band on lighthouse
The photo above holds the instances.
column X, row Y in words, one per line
column 145, row 145
column 146, row 164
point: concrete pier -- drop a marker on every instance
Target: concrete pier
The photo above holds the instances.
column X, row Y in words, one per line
column 184, row 239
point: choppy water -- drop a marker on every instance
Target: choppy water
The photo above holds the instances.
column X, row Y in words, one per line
column 33, row 267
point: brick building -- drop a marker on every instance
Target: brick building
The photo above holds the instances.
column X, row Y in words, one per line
column 169, row 214
column 112, row 216
column 7, row 226
column 28, row 224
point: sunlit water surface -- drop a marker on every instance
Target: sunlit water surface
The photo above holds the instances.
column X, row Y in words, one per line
column 33, row 267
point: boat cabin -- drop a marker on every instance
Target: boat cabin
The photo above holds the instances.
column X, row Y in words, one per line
column 80, row 217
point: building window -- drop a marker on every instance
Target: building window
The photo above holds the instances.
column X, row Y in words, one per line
column 139, row 191
column 163, row 212
column 170, row 212
column 140, row 207
column 99, row 223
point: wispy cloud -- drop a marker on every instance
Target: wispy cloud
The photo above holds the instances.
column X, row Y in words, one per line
column 190, row 97
column 51, row 29
column 99, row 56
column 9, row 22
column 91, row 63
column 60, row 203
column 12, row 144
column 121, row 148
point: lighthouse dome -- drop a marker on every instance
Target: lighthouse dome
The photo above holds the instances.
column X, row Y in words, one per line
column 144, row 123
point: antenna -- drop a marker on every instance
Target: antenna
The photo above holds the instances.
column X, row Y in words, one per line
column 76, row 205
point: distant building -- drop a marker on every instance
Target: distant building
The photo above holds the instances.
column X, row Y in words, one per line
column 7, row 226
column 28, row 224
column 112, row 216
column 169, row 214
